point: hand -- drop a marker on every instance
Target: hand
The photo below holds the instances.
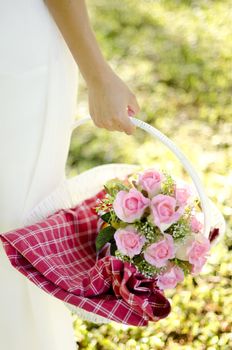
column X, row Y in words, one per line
column 110, row 100
column 110, row 103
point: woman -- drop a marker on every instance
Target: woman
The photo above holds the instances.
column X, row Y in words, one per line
column 41, row 44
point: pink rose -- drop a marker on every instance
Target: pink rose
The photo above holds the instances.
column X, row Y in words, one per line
column 197, row 251
column 196, row 269
column 157, row 254
column 128, row 241
column 150, row 181
column 130, row 206
column 196, row 225
column 164, row 213
column 182, row 195
column 170, row 278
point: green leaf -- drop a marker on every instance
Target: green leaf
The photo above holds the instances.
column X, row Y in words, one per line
column 113, row 186
column 104, row 236
column 137, row 259
column 113, row 248
column 106, row 217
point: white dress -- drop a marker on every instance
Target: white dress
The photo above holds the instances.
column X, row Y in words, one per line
column 38, row 85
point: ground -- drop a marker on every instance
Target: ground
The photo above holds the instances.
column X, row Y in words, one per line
column 176, row 56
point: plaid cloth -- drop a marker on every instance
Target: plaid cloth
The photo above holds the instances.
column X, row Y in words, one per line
column 58, row 255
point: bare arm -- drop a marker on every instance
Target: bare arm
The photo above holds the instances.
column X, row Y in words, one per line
column 109, row 97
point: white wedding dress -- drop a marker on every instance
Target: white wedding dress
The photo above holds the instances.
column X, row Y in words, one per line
column 38, row 85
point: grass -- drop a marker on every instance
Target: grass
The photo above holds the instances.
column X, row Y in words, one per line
column 177, row 58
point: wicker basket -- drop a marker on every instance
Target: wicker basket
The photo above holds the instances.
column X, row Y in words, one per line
column 73, row 191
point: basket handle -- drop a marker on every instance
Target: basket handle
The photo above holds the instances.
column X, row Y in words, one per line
column 156, row 134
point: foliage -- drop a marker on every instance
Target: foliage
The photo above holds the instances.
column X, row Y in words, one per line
column 177, row 56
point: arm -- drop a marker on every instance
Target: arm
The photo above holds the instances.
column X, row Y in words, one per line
column 109, row 97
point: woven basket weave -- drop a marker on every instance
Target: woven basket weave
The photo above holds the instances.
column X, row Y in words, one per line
column 73, row 191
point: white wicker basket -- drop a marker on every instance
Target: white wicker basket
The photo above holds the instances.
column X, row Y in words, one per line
column 87, row 184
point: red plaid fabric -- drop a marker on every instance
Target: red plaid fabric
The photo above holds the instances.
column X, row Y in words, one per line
column 58, row 255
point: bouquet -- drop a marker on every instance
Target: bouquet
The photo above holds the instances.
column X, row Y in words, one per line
column 155, row 223
column 148, row 230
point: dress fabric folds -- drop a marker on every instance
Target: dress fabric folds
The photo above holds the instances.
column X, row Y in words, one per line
column 38, row 85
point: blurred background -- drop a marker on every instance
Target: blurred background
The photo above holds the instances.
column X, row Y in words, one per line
column 176, row 56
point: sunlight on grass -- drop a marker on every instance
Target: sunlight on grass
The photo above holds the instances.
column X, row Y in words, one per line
column 177, row 58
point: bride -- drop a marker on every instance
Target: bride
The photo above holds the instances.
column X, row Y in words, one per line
column 41, row 45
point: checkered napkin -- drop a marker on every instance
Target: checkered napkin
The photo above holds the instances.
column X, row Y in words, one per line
column 59, row 256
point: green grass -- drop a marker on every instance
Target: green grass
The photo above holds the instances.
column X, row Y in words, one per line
column 177, row 58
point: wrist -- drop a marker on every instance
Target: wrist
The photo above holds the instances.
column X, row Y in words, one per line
column 101, row 75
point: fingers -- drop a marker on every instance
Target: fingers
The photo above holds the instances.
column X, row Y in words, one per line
column 104, row 116
column 118, row 123
column 126, row 124
column 99, row 120
column 133, row 107
column 105, row 123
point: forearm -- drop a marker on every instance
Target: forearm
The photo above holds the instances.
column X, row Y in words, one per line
column 110, row 100
column 72, row 19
